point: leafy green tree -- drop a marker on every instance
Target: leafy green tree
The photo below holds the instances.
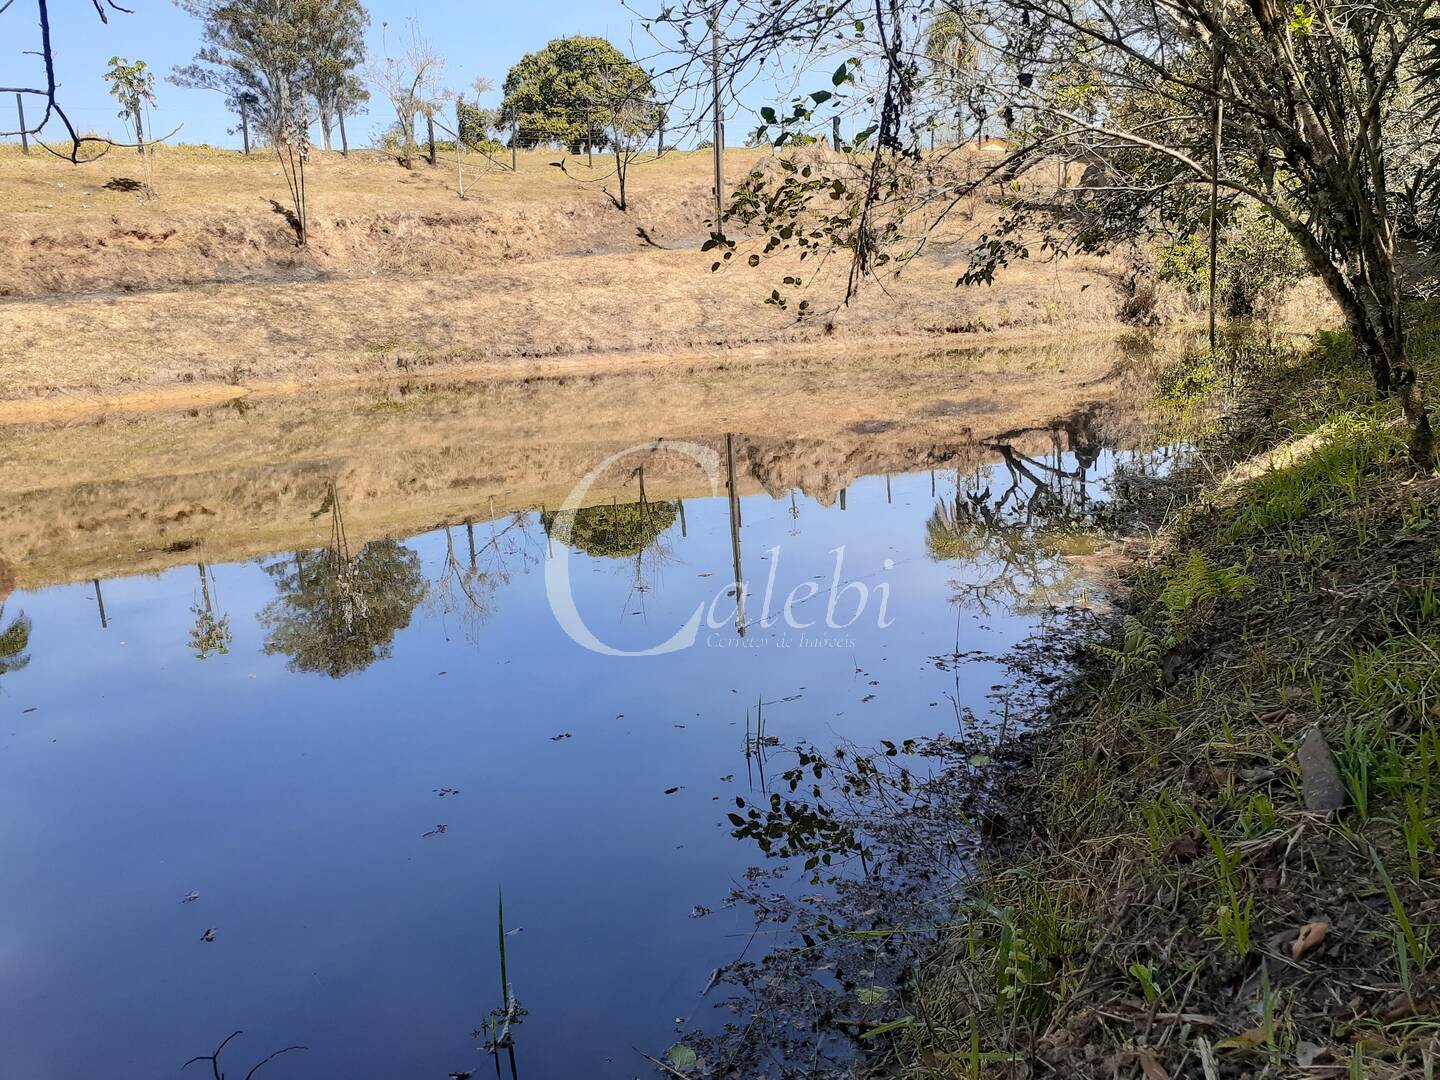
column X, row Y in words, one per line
column 575, row 92
column 337, row 616
column 133, row 86
column 337, row 34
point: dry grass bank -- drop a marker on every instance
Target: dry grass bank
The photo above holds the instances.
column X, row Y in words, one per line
column 110, row 293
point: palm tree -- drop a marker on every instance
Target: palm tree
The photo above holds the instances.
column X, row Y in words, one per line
column 953, row 55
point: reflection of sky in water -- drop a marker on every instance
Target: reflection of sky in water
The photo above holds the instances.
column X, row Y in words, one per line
column 296, row 804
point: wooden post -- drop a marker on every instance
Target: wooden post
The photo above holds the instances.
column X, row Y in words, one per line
column 735, row 535
column 245, row 124
column 24, row 135
column 719, row 137
column 660, row 144
column 100, row 600
column 514, row 142
column 835, row 132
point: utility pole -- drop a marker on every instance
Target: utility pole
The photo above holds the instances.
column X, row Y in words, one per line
column 719, row 114
column 24, row 135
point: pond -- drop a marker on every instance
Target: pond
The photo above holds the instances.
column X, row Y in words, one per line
column 294, row 692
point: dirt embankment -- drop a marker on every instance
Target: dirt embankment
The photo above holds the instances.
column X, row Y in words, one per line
column 107, row 294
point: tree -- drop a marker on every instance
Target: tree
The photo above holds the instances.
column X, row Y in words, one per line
column 569, row 91
column 338, row 49
column 265, row 52
column 335, row 615
column 629, row 119
column 411, row 81
column 1184, row 110
column 133, row 87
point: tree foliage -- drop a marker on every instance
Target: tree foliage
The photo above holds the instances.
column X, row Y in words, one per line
column 1309, row 110
column 280, row 55
column 579, row 91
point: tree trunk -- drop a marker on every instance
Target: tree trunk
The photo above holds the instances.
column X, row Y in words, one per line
column 344, row 140
column 430, row 135
column 139, row 129
column 621, row 168
column 324, row 114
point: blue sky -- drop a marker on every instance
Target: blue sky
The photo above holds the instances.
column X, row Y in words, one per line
column 477, row 37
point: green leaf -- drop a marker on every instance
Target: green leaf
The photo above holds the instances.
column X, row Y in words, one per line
column 767, row 114
column 681, row 1057
column 841, row 76
column 872, row 995
column 821, row 96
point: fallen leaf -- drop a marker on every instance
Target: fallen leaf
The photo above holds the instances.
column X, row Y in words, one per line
column 1152, row 1069
column 190, row 897
column 681, row 1057
column 673, row 790
column 1311, row 934
column 208, row 935
column 562, row 735
column 1246, row 1040
column 439, row 830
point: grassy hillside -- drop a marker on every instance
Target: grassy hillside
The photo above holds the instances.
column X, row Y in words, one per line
column 1226, row 862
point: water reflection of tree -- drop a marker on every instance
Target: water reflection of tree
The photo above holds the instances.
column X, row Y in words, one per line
column 1016, row 537
column 620, row 530
column 14, row 640
column 469, row 587
column 335, row 613
column 211, row 634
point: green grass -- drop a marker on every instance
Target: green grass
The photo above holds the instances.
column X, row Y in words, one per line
column 1174, row 841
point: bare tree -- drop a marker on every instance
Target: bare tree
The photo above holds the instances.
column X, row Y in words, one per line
column 410, row 79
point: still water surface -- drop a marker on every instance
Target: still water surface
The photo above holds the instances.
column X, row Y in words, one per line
column 337, row 757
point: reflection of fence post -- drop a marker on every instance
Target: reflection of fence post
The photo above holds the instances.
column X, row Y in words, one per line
column 842, row 498
column 683, row 530
column 24, row 135
column 735, row 534
column 100, row 600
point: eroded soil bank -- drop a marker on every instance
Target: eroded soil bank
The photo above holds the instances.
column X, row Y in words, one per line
column 107, row 296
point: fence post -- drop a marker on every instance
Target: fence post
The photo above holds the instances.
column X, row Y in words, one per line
column 514, row 142
column 24, row 135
